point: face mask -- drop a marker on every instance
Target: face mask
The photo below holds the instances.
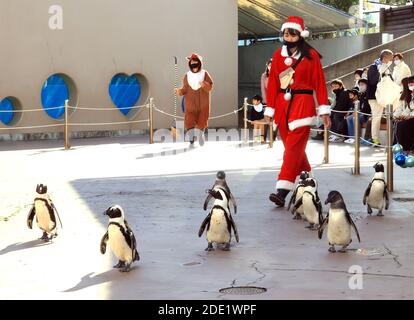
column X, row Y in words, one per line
column 194, row 65
column 362, row 88
column 397, row 62
column 292, row 44
column 411, row 88
column 336, row 90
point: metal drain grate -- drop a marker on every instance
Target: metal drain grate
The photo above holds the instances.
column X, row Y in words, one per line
column 243, row 291
column 403, row 199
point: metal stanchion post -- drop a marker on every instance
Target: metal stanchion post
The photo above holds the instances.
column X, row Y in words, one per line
column 270, row 134
column 151, row 120
column 66, row 133
column 357, row 126
column 326, row 144
column 390, row 163
column 245, row 119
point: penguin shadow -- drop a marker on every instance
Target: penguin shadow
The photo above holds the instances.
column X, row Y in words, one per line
column 108, row 276
column 167, row 152
column 24, row 245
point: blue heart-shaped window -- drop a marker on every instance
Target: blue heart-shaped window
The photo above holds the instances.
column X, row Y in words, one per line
column 5, row 106
column 124, row 91
column 55, row 92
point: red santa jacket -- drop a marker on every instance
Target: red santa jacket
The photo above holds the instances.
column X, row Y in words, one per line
column 308, row 76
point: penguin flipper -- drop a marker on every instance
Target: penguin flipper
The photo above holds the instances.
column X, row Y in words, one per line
column 297, row 205
column 55, row 211
column 366, row 194
column 203, row 225
column 233, row 200
column 30, row 217
column 348, row 216
column 133, row 241
column 233, row 225
column 387, row 200
column 322, row 226
column 292, row 199
column 209, row 196
column 103, row 242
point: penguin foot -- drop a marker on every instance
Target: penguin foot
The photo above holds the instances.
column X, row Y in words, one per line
column 342, row 250
column 120, row 264
column 297, row 217
column 310, row 226
column 332, row 249
column 126, row 268
column 226, row 247
column 369, row 210
column 209, row 247
column 44, row 237
column 380, row 214
column 315, row 227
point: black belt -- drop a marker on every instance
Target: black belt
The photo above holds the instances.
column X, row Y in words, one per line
column 294, row 92
column 297, row 91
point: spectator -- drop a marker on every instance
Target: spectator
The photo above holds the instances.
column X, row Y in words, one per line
column 364, row 73
column 358, row 75
column 365, row 108
column 401, row 69
column 264, row 80
column 354, row 97
column 342, row 103
column 378, row 69
column 256, row 112
column 404, row 116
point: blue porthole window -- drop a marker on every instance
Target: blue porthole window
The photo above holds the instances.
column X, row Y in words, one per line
column 7, row 111
column 10, row 111
column 55, row 91
column 125, row 91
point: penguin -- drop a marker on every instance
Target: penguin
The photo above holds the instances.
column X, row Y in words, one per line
column 121, row 239
column 311, row 204
column 219, row 221
column 45, row 212
column 339, row 223
column 221, row 182
column 297, row 194
column 376, row 195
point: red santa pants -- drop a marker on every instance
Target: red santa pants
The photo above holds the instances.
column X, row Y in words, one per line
column 294, row 157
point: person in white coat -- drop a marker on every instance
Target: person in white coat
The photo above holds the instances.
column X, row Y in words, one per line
column 401, row 69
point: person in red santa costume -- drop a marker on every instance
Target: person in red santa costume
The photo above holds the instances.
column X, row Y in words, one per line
column 295, row 76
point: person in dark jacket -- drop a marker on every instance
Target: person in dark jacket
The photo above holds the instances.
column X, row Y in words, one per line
column 378, row 69
column 342, row 104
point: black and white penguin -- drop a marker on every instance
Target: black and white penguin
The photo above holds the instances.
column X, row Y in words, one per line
column 219, row 221
column 339, row 223
column 221, row 182
column 311, row 204
column 376, row 195
column 121, row 239
column 45, row 212
column 297, row 194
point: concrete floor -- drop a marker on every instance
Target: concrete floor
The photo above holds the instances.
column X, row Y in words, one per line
column 162, row 195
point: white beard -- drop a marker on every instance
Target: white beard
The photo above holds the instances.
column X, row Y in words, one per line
column 194, row 79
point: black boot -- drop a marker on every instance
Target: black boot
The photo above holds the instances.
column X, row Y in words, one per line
column 279, row 197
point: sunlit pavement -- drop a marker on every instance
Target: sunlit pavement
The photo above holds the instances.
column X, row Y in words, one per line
column 162, row 188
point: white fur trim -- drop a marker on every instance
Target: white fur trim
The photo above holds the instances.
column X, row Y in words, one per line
column 301, row 123
column 284, row 184
column 324, row 109
column 270, row 112
column 292, row 25
column 305, row 33
column 285, row 53
column 194, row 79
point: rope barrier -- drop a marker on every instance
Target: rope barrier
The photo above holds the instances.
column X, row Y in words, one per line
column 107, row 123
column 33, row 127
column 32, row 110
column 109, row 109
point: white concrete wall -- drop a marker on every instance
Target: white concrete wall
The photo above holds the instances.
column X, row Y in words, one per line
column 103, row 37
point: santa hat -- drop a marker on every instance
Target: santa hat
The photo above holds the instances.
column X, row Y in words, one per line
column 195, row 56
column 296, row 23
